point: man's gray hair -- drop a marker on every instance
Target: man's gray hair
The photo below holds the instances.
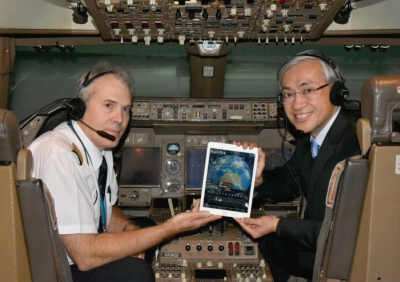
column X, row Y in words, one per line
column 331, row 73
column 85, row 81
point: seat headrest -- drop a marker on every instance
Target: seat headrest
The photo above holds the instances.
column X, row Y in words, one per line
column 10, row 136
column 380, row 104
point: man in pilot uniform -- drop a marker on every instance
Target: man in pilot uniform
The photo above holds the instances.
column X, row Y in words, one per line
column 312, row 91
column 76, row 164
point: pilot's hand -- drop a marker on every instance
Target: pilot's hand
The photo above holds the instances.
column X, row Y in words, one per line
column 258, row 227
column 192, row 220
column 261, row 159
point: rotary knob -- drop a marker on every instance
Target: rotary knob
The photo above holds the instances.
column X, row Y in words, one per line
column 134, row 195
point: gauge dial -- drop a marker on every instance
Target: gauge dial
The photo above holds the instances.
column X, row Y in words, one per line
column 173, row 166
column 134, row 195
column 173, row 148
column 173, row 185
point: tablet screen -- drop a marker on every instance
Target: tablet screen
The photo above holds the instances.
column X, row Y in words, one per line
column 229, row 180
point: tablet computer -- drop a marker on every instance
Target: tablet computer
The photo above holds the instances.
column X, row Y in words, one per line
column 228, row 181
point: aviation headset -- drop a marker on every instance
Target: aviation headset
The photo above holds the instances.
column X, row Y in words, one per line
column 76, row 107
column 339, row 92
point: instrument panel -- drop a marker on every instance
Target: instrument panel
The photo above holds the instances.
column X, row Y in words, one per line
column 204, row 110
column 191, row 112
column 262, row 21
column 218, row 252
column 179, row 130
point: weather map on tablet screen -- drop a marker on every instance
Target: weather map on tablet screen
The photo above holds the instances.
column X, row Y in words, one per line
column 229, row 179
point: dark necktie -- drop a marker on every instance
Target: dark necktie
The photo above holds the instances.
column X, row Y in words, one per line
column 314, row 147
column 102, row 180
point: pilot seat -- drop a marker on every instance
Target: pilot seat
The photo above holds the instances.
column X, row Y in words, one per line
column 14, row 163
column 359, row 239
column 29, row 226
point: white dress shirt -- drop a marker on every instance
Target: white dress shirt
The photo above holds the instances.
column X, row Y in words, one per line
column 72, row 180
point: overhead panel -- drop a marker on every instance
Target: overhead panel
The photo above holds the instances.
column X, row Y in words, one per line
column 164, row 21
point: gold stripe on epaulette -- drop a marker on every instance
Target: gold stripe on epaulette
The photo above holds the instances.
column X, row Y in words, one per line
column 77, row 152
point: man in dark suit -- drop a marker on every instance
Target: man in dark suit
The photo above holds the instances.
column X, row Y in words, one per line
column 312, row 92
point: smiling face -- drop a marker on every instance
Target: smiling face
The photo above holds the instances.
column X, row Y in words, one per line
column 107, row 109
column 308, row 116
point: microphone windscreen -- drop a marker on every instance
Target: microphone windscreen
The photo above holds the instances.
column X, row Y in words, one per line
column 105, row 135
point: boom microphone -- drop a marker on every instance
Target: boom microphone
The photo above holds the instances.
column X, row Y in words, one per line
column 99, row 132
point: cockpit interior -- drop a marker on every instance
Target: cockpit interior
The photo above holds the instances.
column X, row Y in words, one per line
column 205, row 71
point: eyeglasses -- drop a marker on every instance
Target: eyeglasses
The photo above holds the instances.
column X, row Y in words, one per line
column 307, row 93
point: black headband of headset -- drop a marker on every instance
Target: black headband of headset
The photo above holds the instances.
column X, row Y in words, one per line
column 88, row 81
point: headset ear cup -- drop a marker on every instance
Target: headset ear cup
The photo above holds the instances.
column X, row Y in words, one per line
column 76, row 108
column 338, row 94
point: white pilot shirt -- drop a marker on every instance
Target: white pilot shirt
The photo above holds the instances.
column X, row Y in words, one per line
column 73, row 184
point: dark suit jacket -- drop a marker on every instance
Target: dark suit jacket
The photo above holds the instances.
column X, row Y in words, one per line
column 312, row 177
